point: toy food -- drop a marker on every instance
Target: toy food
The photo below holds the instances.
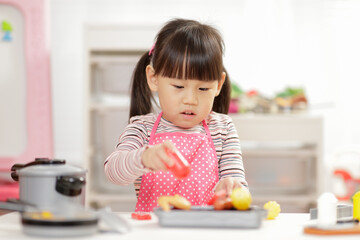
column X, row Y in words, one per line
column 41, row 215
column 216, row 195
column 273, row 209
column 46, row 215
column 176, row 201
column 223, row 203
column 180, row 168
column 241, row 198
column 141, row 216
column 356, row 209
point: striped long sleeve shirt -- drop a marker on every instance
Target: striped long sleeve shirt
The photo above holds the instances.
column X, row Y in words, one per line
column 124, row 165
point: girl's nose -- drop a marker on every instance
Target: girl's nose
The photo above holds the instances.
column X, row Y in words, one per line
column 190, row 98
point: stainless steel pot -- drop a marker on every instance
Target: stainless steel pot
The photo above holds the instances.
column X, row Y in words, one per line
column 78, row 222
column 50, row 184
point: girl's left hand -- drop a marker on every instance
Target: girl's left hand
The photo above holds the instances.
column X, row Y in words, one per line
column 227, row 185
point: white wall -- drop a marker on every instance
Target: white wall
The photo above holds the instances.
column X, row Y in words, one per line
column 270, row 44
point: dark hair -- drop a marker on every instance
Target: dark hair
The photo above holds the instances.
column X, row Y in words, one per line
column 184, row 49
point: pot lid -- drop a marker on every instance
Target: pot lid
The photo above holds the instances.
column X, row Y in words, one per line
column 49, row 167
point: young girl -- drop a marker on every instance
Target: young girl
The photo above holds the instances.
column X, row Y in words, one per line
column 185, row 69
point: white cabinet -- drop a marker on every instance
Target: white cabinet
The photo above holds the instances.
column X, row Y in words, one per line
column 108, row 113
column 283, row 158
column 111, row 54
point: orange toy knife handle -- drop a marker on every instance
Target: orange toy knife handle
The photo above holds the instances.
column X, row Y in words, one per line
column 349, row 182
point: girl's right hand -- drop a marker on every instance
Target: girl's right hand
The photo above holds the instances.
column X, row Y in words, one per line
column 155, row 156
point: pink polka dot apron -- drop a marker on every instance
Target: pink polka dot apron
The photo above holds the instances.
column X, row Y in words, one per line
column 198, row 149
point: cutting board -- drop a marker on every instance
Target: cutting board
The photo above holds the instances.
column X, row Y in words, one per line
column 335, row 231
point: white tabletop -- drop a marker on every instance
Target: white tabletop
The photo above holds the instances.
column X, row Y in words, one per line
column 287, row 226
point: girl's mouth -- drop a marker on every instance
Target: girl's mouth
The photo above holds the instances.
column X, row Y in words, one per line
column 188, row 113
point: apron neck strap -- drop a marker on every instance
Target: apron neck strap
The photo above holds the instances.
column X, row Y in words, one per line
column 206, row 128
column 153, row 131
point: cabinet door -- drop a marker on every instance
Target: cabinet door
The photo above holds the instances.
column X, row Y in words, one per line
column 110, row 94
column 112, row 74
column 282, row 157
column 106, row 129
column 279, row 174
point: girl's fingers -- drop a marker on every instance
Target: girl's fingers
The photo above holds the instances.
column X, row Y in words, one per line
column 217, row 188
column 237, row 184
column 152, row 158
column 221, row 186
column 157, row 160
column 229, row 187
column 158, row 165
column 169, row 145
column 163, row 153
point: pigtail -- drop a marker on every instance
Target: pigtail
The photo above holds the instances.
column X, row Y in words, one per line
column 222, row 101
column 141, row 95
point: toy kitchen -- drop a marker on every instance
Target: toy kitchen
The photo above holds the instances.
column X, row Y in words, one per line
column 44, row 197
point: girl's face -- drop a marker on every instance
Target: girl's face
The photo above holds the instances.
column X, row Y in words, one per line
column 185, row 103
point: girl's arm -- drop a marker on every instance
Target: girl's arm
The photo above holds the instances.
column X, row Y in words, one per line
column 124, row 165
column 231, row 168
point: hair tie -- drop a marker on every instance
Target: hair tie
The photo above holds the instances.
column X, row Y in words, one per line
column 152, row 49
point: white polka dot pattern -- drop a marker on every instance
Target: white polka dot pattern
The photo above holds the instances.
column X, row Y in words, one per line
column 197, row 188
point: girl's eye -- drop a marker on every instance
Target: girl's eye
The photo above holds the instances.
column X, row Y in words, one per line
column 177, row 86
column 203, row 89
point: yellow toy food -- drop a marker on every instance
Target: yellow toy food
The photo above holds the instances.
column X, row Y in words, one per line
column 241, row 198
column 177, row 201
column 273, row 209
column 46, row 215
column 41, row 215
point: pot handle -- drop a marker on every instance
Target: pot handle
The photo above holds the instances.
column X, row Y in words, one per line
column 14, row 168
column 69, row 185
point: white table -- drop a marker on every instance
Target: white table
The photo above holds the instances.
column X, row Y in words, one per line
column 287, row 226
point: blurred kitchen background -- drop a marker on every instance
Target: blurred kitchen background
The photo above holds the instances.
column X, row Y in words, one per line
column 294, row 65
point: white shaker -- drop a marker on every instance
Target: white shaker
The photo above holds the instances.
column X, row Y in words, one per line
column 327, row 210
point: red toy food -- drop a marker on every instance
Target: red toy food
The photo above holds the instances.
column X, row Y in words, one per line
column 219, row 194
column 141, row 216
column 180, row 168
column 223, row 203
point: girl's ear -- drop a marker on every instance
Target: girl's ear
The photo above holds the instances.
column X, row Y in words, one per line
column 151, row 78
column 221, row 83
